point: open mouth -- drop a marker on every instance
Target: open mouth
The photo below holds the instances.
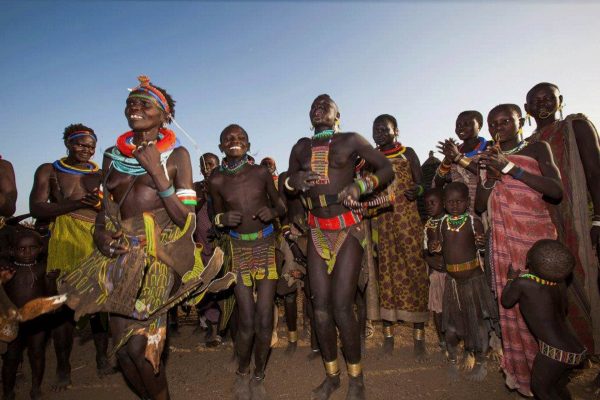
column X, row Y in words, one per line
column 135, row 117
column 235, row 148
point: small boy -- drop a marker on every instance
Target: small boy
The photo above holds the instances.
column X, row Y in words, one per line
column 432, row 252
column 469, row 311
column 27, row 283
column 542, row 298
column 246, row 203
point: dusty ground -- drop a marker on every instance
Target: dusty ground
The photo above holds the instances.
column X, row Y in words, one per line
column 196, row 372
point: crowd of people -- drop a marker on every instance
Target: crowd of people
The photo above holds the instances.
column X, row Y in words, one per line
column 503, row 256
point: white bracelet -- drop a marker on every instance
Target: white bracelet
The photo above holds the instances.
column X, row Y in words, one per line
column 595, row 223
column 287, row 185
column 507, row 168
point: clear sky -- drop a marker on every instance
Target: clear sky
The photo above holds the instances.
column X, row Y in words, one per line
column 260, row 64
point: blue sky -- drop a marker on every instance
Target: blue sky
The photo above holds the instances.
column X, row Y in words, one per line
column 260, row 64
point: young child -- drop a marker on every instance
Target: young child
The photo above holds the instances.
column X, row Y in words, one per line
column 246, row 203
column 27, row 283
column 432, row 252
column 542, row 298
column 469, row 311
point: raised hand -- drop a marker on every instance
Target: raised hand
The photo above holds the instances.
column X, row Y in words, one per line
column 303, row 180
column 148, row 157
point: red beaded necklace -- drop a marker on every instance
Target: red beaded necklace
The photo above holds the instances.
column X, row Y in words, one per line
column 394, row 151
column 126, row 146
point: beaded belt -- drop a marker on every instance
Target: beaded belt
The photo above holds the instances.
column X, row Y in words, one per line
column 562, row 356
column 266, row 232
column 319, row 201
column 466, row 266
column 341, row 221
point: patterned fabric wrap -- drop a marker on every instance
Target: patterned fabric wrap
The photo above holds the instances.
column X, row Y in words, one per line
column 562, row 356
column 437, row 281
column 467, row 304
column 329, row 242
column 573, row 221
column 403, row 278
column 70, row 240
column 143, row 283
column 519, row 217
column 253, row 260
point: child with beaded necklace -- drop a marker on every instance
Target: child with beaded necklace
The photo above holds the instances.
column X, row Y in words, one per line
column 469, row 311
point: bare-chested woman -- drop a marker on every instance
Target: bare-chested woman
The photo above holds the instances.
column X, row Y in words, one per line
column 66, row 193
column 323, row 168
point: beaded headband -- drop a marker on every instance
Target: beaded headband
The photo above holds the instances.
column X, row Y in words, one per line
column 155, row 95
column 78, row 134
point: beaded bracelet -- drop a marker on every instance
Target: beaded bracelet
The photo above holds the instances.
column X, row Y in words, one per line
column 420, row 190
column 507, row 168
column 464, row 162
column 367, row 183
column 167, row 192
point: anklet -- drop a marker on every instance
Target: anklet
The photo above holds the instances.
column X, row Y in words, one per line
column 354, row 370
column 292, row 336
column 387, row 332
column 332, row 368
column 419, row 334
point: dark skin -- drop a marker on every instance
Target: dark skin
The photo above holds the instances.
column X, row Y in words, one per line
column 385, row 135
column 504, row 126
column 26, row 283
column 55, row 193
column 249, row 202
column 459, row 247
column 145, row 119
column 333, row 294
column 8, row 189
column 207, row 165
column 467, row 129
column 544, row 308
column 543, row 105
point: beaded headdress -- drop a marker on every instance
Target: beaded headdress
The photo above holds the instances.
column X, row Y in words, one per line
column 154, row 94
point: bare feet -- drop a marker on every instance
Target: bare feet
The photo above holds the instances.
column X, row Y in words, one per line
column 356, row 388
column 61, row 383
column 104, row 368
column 419, row 352
column 257, row 389
column 241, row 386
column 387, row 350
column 326, row 388
column 478, row 373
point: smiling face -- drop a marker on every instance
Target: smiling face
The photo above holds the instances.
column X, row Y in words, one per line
column 143, row 114
column 467, row 126
column 504, row 124
column 26, row 249
column 81, row 149
column 543, row 101
column 455, row 202
column 384, row 132
column 234, row 142
column 323, row 113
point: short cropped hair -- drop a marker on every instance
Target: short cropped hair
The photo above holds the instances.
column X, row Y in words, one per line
column 231, row 126
column 550, row 260
column 388, row 118
column 459, row 187
column 476, row 115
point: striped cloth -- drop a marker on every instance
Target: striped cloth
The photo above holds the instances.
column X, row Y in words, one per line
column 519, row 217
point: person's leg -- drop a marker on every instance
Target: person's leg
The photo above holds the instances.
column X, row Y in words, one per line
column 324, row 326
column 310, row 315
column 10, row 363
column 387, row 348
column 62, row 337
column 154, row 384
column 452, row 341
column 343, row 291
column 419, row 342
column 244, row 339
column 361, row 315
column 291, row 320
column 263, row 327
column 479, row 371
column 36, row 353
column 98, row 324
column 437, row 321
column 545, row 375
column 117, row 326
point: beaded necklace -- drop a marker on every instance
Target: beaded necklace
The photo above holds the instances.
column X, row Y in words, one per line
column 232, row 168
column 62, row 166
column 129, row 165
column 516, row 149
column 319, row 158
column 538, row 279
column 433, row 223
column 455, row 223
column 33, row 277
column 166, row 141
column 478, row 149
column 397, row 150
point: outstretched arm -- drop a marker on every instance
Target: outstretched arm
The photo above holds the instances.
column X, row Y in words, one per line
column 512, row 290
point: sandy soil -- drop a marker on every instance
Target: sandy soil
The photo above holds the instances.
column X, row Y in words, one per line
column 196, row 372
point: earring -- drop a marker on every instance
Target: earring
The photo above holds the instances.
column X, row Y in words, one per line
column 337, row 125
column 528, row 119
column 520, row 134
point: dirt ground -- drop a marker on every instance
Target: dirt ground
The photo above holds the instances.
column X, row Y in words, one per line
column 197, row 372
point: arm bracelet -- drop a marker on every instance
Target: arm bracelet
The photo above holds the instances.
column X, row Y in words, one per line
column 507, row 168
column 286, row 183
column 167, row 192
column 519, row 174
column 218, row 222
